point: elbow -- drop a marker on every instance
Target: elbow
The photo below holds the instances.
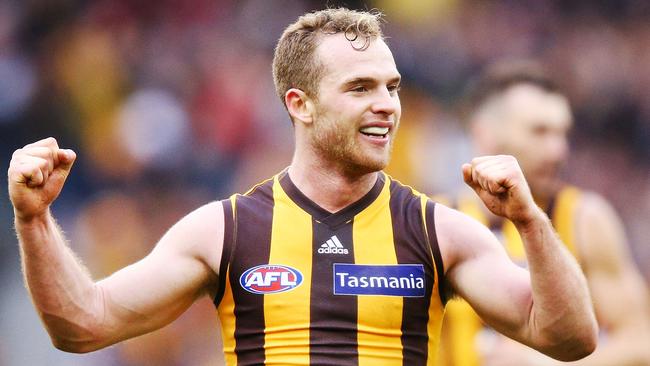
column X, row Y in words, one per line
column 71, row 346
column 586, row 339
column 575, row 345
column 74, row 337
column 75, row 328
column 580, row 347
column 78, row 343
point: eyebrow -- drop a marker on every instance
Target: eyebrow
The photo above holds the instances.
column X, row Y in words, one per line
column 369, row 80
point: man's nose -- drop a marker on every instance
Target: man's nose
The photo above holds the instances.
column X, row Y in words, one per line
column 386, row 102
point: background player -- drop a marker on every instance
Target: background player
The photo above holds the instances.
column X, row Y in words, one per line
column 515, row 108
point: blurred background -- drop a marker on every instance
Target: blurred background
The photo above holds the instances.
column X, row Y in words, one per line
column 170, row 104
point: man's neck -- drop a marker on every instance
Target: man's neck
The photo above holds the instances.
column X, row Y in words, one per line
column 327, row 185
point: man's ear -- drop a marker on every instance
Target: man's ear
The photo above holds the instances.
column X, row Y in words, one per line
column 299, row 105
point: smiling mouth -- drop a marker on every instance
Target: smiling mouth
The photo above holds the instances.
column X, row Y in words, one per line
column 375, row 132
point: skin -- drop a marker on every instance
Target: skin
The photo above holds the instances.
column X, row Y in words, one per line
column 334, row 165
column 81, row 315
column 533, row 125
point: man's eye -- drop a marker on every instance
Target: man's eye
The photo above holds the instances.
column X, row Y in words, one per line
column 394, row 88
column 359, row 89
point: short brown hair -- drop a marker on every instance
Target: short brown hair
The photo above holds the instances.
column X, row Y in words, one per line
column 500, row 77
column 294, row 64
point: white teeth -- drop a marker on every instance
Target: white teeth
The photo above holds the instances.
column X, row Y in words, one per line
column 379, row 131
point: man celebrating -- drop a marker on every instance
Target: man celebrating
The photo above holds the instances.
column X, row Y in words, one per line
column 330, row 262
column 515, row 108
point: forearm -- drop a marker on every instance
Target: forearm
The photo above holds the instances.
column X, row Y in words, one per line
column 561, row 317
column 63, row 292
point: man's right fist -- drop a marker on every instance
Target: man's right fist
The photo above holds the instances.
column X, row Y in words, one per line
column 36, row 175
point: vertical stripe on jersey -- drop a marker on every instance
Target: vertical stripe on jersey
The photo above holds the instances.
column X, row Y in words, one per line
column 254, row 216
column 291, row 241
column 224, row 299
column 227, row 246
column 227, row 318
column 379, row 344
column 333, row 317
column 411, row 247
column 438, row 300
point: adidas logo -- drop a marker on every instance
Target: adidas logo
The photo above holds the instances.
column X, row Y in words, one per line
column 332, row 246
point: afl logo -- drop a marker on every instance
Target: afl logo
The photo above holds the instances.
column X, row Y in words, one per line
column 270, row 279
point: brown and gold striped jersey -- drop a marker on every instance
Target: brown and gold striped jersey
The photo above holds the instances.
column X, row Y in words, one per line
column 304, row 286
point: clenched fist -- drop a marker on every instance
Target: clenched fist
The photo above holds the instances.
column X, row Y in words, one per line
column 36, row 175
column 500, row 183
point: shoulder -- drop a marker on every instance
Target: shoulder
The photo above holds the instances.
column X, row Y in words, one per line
column 199, row 234
column 600, row 235
column 206, row 218
column 405, row 201
column 401, row 190
column 593, row 207
column 261, row 194
column 594, row 214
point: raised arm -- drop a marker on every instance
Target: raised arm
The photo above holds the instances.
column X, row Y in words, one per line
column 619, row 295
column 79, row 314
column 548, row 307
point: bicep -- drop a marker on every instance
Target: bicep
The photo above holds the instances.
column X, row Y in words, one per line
column 480, row 271
column 155, row 290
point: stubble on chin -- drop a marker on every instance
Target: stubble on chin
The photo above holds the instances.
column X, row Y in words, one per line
column 343, row 149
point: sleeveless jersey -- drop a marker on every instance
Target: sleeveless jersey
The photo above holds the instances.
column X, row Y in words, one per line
column 303, row 286
column 461, row 324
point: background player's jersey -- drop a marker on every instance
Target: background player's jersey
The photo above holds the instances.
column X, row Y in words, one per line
column 304, row 286
column 461, row 326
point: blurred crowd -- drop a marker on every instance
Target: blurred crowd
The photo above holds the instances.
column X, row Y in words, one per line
column 171, row 104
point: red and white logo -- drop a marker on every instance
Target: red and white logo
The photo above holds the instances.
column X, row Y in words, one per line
column 270, row 279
